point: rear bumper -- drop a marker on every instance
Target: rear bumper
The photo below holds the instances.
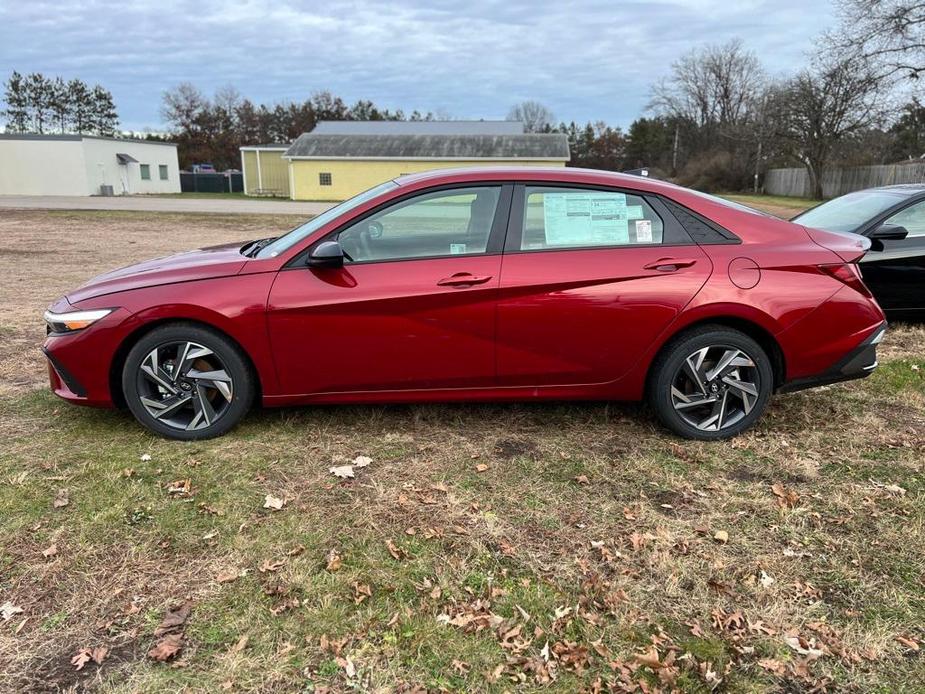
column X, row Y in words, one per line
column 858, row 363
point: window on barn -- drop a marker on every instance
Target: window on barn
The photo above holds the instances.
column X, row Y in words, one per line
column 145, row 172
column 324, row 179
column 162, row 168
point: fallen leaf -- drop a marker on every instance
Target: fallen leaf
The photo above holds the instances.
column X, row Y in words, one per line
column 481, row 467
column 61, row 499
column 361, row 591
column 342, row 471
column 179, row 487
column 396, row 551
column 145, row 457
column 239, row 646
column 82, row 658
column 167, row 647
column 907, row 642
column 228, row 576
column 175, row 618
column 786, row 498
column 582, row 479
column 649, row 659
column 361, row 461
column 721, row 536
column 270, row 565
column 334, row 561
column 49, row 552
column 273, row 503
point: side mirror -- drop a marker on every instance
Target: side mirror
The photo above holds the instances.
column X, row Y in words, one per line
column 326, row 255
column 890, row 232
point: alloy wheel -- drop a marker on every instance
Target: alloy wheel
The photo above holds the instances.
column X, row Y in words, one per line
column 184, row 385
column 716, row 387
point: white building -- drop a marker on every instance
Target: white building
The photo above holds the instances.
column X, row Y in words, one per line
column 84, row 164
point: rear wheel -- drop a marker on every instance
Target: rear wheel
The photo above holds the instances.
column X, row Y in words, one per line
column 711, row 383
column 187, row 382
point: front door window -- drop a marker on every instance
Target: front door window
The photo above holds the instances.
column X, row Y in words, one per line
column 439, row 224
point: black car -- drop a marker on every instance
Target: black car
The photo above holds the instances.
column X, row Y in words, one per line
column 893, row 218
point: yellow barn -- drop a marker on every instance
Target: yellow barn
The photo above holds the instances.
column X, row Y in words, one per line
column 333, row 166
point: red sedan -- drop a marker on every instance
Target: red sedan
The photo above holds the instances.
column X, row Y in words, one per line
column 480, row 284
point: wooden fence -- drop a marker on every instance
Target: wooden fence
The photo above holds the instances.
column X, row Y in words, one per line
column 835, row 182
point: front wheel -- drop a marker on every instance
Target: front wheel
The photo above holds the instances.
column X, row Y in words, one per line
column 712, row 383
column 187, row 382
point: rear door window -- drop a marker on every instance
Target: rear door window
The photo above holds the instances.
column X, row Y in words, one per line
column 562, row 218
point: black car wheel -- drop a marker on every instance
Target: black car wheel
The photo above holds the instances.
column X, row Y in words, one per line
column 187, row 382
column 711, row 383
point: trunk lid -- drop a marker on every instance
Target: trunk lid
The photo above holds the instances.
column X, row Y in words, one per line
column 847, row 246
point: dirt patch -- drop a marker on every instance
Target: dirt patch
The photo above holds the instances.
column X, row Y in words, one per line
column 507, row 449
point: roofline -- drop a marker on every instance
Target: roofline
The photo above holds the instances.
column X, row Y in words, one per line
column 273, row 148
column 449, row 120
column 76, row 137
column 363, row 158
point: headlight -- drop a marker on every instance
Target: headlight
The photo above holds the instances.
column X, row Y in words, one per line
column 74, row 320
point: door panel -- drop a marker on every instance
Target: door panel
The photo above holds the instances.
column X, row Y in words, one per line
column 386, row 326
column 895, row 270
column 577, row 317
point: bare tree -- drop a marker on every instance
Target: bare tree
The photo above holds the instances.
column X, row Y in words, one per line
column 534, row 115
column 182, row 106
column 712, row 85
column 890, row 34
column 820, row 108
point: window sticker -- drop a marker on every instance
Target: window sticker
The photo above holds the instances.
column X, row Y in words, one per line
column 643, row 231
column 634, row 212
column 457, row 248
column 592, row 219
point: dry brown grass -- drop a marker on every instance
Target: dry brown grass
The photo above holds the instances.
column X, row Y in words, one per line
column 588, row 511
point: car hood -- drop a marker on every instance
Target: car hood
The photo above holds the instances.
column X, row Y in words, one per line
column 201, row 264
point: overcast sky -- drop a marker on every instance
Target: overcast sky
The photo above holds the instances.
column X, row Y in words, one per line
column 585, row 59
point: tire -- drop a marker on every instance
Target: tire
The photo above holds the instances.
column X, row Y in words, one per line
column 197, row 385
column 694, row 399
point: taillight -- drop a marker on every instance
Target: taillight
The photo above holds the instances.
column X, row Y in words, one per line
column 847, row 273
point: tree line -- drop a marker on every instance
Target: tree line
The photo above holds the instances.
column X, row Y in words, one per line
column 45, row 105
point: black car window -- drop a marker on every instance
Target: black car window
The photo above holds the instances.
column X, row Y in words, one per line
column 558, row 218
column 849, row 212
column 442, row 223
column 912, row 218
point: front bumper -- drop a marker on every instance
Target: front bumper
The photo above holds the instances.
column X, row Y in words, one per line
column 858, row 363
column 79, row 362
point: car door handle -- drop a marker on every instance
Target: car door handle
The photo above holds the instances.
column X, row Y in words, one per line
column 670, row 264
column 463, row 279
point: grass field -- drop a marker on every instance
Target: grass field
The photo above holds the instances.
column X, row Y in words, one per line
column 484, row 548
column 775, row 204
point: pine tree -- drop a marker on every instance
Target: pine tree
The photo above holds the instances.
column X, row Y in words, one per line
column 17, row 104
column 103, row 116
column 38, row 89
column 78, row 97
column 59, row 105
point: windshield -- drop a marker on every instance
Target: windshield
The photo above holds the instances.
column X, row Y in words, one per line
column 293, row 237
column 849, row 212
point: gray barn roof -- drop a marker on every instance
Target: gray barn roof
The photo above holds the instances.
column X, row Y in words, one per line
column 419, row 127
column 315, row 146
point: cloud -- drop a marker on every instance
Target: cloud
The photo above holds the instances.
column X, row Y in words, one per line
column 587, row 60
